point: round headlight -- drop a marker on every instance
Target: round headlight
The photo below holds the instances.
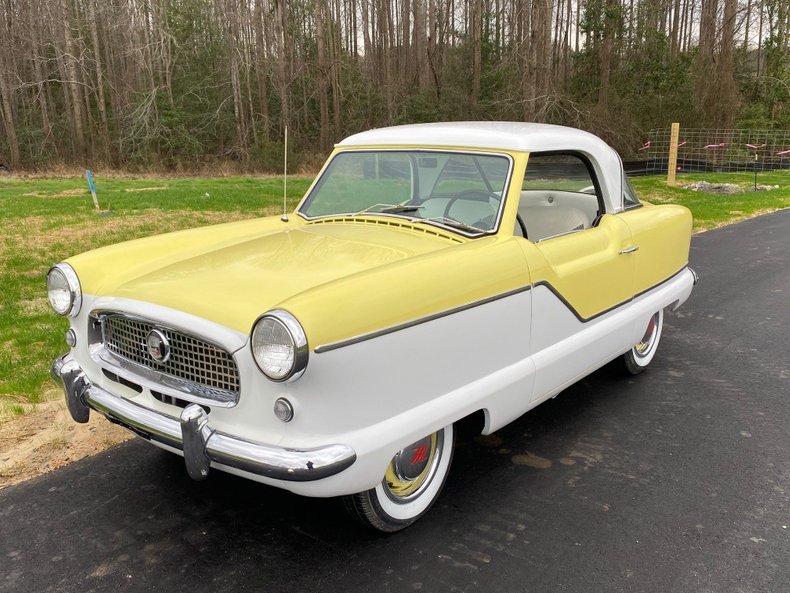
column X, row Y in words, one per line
column 63, row 290
column 279, row 346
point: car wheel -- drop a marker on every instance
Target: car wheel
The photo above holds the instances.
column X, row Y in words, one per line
column 411, row 484
column 638, row 358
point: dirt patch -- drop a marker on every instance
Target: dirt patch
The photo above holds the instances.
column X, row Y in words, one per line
column 47, row 438
column 61, row 194
column 531, row 460
column 136, row 189
column 37, row 232
column 724, row 188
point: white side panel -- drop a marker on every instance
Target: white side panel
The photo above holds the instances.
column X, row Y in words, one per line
column 381, row 394
column 567, row 349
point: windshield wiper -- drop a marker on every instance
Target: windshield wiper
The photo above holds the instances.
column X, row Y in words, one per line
column 456, row 224
column 402, row 208
column 369, row 208
column 389, row 209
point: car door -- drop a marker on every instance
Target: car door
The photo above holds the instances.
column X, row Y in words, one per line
column 581, row 266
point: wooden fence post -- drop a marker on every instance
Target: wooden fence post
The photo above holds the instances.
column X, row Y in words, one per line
column 672, row 167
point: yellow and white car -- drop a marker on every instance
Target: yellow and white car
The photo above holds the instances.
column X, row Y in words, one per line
column 431, row 273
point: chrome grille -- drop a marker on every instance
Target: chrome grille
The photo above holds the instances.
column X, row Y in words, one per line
column 191, row 359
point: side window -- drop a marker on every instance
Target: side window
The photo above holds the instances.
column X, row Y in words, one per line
column 559, row 195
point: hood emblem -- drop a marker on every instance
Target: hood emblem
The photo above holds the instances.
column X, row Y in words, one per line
column 158, row 346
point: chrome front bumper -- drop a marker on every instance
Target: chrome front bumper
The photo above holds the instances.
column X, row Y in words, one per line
column 192, row 434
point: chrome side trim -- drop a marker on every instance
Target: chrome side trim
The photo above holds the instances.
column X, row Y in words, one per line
column 193, row 434
column 388, row 330
column 610, row 309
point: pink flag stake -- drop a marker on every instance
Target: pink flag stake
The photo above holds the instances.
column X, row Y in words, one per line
column 756, row 146
column 645, row 146
column 784, row 152
column 722, row 145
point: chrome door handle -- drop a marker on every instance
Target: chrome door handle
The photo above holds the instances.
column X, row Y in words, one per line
column 628, row 250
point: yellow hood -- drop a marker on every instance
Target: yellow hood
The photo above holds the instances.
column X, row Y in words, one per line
column 233, row 273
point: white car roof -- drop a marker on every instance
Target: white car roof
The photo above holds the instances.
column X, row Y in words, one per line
column 521, row 136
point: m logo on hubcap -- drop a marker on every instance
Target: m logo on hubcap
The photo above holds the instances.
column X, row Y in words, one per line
column 410, row 462
column 420, row 454
column 157, row 345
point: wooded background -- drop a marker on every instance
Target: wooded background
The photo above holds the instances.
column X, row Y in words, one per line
column 180, row 84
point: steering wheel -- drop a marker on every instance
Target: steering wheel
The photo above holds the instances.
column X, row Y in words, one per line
column 475, row 195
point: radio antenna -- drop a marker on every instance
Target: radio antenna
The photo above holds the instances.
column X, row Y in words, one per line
column 284, row 217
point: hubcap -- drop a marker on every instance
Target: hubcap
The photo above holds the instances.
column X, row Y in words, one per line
column 647, row 341
column 412, row 468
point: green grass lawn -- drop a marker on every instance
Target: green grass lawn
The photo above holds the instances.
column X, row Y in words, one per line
column 47, row 220
column 713, row 210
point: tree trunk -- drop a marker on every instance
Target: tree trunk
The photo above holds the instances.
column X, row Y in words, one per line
column 476, row 25
column 705, row 62
column 726, row 91
column 281, row 27
column 7, row 104
column 261, row 69
column 527, row 68
column 74, row 88
column 323, row 86
column 605, row 55
column 99, row 74
column 674, row 47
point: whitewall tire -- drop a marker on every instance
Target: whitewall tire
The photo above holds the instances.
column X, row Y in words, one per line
column 639, row 357
column 412, row 483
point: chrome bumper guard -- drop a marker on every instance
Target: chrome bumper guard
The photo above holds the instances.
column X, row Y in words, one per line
column 192, row 434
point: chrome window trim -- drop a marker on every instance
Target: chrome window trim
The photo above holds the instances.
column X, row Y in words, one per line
column 301, row 348
column 393, row 328
column 388, row 330
column 625, row 183
column 500, row 213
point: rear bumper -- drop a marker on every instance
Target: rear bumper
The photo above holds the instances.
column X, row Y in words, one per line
column 192, row 434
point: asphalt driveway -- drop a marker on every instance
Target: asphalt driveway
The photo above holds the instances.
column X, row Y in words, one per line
column 674, row 481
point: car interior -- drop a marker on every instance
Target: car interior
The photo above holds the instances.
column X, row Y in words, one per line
column 559, row 196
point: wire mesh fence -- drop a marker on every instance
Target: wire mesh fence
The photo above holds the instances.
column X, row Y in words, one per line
column 714, row 150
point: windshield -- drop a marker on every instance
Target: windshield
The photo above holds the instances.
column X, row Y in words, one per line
column 459, row 190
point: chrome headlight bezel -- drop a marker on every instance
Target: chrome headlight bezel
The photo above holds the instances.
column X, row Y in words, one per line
column 73, row 286
column 299, row 345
